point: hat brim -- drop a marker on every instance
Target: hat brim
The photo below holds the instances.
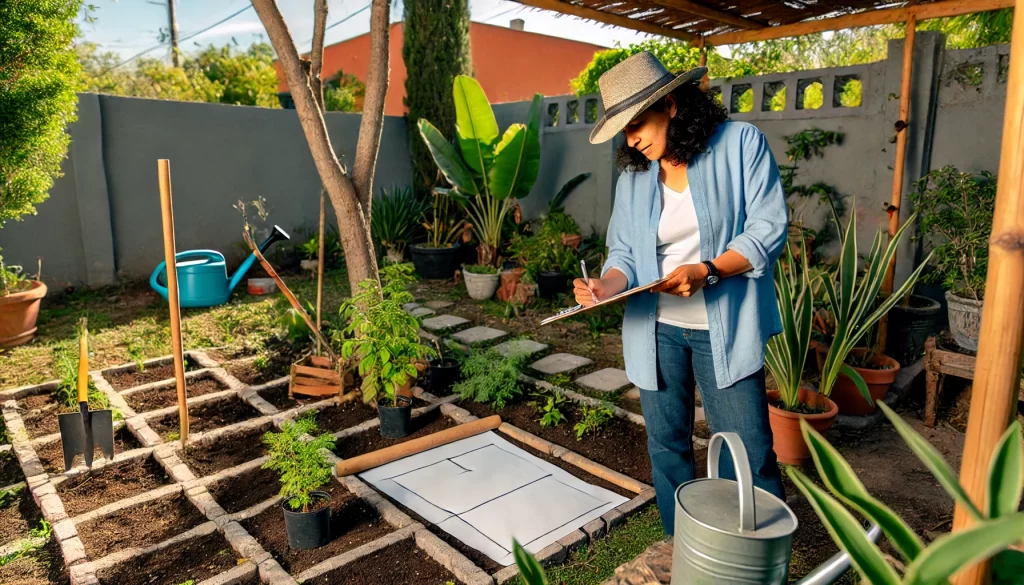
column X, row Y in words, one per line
column 608, row 126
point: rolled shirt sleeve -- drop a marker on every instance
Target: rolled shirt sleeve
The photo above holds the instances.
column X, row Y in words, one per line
column 618, row 238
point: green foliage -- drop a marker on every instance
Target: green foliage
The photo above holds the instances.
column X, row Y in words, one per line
column 444, row 226
column 592, row 418
column 381, row 335
column 310, row 248
column 606, row 319
column 811, row 142
column 956, row 209
column 66, row 363
column 38, row 79
column 295, row 329
column 395, row 220
column 530, row 571
column 34, row 541
column 549, row 405
column 481, row 269
column 299, row 462
column 787, row 352
column 436, row 47
column 343, row 93
column 805, row 145
column 557, row 203
column 991, row 533
column 970, row 31
column 246, row 78
column 489, row 377
column 12, row 278
column 333, row 253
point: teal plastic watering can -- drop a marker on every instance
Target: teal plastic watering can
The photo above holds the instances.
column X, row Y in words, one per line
column 203, row 275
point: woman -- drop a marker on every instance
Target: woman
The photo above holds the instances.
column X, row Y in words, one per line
column 699, row 202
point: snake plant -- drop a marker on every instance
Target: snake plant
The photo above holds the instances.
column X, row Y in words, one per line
column 787, row 351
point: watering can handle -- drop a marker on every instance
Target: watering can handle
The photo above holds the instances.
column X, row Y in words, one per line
column 744, row 478
column 160, row 268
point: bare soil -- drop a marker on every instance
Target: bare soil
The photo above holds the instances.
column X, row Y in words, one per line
column 164, row 397
column 206, row 417
column 402, row 563
column 40, row 415
column 353, row 523
column 241, row 492
column 367, row 441
column 10, row 469
column 278, row 396
column 51, row 455
column 140, row 526
column 18, row 514
column 344, row 416
column 42, row 567
column 228, row 452
column 112, row 483
column 133, row 378
column 194, row 560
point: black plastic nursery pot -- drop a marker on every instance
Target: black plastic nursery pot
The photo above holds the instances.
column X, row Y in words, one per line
column 396, row 421
column 910, row 327
column 312, row 529
column 436, row 263
column 550, row 284
column 441, row 375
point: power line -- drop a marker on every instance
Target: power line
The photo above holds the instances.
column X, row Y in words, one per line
column 342, row 21
column 502, row 13
column 183, row 39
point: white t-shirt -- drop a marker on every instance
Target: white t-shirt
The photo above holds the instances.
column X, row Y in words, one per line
column 678, row 244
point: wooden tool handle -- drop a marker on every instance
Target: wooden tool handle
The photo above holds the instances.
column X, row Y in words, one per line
column 167, row 216
column 83, row 364
column 395, row 452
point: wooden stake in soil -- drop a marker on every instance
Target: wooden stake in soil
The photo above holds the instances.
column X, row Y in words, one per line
column 167, row 214
column 320, row 267
column 395, row 452
column 997, row 369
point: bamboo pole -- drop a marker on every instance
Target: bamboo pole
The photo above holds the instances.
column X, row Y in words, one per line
column 167, row 214
column 320, row 269
column 902, row 129
column 997, row 369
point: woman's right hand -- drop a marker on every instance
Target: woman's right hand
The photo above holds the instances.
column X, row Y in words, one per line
column 586, row 295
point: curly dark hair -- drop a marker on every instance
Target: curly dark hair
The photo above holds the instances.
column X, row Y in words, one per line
column 698, row 113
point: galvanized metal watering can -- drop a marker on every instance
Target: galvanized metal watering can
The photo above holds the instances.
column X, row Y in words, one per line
column 733, row 533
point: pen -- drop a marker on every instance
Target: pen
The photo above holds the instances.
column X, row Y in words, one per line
column 586, row 279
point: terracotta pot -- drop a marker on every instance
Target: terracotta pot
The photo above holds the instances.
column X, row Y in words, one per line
column 572, row 240
column 790, row 447
column 845, row 393
column 18, row 314
column 508, row 284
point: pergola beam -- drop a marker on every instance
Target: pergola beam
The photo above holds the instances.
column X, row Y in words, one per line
column 608, row 18
column 709, row 13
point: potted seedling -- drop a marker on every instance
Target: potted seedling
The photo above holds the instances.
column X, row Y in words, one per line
column 553, row 270
column 295, row 453
column 20, row 298
column 384, row 341
column 310, row 250
column 956, row 208
column 481, row 281
column 438, row 257
column 442, row 373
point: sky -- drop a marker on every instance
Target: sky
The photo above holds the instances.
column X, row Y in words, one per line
column 128, row 27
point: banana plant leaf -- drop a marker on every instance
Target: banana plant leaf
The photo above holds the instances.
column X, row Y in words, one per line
column 512, row 166
column 475, row 125
column 447, row 159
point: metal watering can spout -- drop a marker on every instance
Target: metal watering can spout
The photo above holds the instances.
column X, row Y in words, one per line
column 276, row 235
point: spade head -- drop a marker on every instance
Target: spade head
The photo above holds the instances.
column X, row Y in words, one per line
column 79, row 435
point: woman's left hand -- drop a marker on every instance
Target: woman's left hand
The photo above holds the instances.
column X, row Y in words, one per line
column 684, row 281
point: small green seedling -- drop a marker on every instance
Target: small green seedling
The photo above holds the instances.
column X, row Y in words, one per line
column 592, row 419
column 548, row 404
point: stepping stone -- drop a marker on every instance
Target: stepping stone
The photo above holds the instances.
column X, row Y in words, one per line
column 607, row 380
column 478, row 335
column 421, row 312
column 443, row 323
column 410, row 307
column 438, row 305
column 632, row 394
column 526, row 347
column 560, row 363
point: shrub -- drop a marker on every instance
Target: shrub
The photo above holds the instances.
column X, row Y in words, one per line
column 489, row 377
column 300, row 463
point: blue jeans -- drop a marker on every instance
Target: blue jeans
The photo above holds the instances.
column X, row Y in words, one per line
column 685, row 361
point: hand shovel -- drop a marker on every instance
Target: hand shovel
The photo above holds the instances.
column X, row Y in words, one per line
column 80, row 431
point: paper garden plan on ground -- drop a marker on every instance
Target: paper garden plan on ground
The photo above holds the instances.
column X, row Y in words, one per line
column 485, row 491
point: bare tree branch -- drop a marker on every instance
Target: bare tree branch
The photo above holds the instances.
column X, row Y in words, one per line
column 373, row 103
column 316, row 55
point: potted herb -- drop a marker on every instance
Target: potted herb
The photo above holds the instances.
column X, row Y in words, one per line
column 310, row 250
column 384, row 340
column 438, row 257
column 785, row 358
column 553, row 270
column 20, row 298
column 481, row 281
column 395, row 221
column 957, row 209
column 855, row 377
column 442, row 373
column 307, row 511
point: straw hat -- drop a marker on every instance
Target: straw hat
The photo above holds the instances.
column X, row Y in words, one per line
column 633, row 86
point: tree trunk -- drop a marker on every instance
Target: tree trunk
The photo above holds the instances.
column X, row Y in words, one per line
column 353, row 220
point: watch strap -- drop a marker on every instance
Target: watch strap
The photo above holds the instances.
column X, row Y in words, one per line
column 712, row 269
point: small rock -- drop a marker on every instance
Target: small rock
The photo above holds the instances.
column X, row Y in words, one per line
column 606, row 380
column 632, row 394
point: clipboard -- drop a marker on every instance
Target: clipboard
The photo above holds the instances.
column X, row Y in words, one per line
column 580, row 309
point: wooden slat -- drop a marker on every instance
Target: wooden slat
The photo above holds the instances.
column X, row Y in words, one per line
column 317, row 373
column 607, row 18
column 316, row 390
column 320, row 361
column 866, row 18
column 709, row 13
column 311, row 381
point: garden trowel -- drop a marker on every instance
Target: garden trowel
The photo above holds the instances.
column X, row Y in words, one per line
column 81, row 431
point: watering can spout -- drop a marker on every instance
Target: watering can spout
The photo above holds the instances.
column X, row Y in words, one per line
column 277, row 234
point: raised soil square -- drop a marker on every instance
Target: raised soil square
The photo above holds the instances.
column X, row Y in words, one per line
column 51, row 455
column 241, row 492
column 278, row 396
column 163, row 397
column 18, row 514
column 224, row 453
column 250, row 375
column 370, row 440
column 339, row 417
column 39, row 413
column 139, row 526
column 402, row 563
column 88, row 491
column 10, row 469
column 134, row 377
column 194, row 560
column 205, row 417
column 44, row 567
column 353, row 523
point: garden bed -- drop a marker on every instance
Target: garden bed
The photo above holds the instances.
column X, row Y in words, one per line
column 112, row 483
column 40, row 415
column 353, row 523
column 51, row 455
column 135, row 377
column 224, row 453
column 158, row 398
column 278, row 396
column 339, row 417
column 402, row 563
column 241, row 492
column 139, row 526
column 194, row 560
column 370, row 440
column 205, row 417
column 18, row 513
column 41, row 567
column 10, row 469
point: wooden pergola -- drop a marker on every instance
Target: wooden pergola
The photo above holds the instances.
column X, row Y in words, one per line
column 727, row 22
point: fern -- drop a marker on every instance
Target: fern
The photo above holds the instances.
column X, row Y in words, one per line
column 299, row 462
column 489, row 377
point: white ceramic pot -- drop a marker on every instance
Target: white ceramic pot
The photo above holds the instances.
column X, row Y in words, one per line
column 480, row 286
column 964, row 320
column 308, row 264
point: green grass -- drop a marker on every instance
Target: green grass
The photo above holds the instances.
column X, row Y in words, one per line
column 595, row 563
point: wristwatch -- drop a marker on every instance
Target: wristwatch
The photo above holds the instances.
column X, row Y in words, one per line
column 713, row 275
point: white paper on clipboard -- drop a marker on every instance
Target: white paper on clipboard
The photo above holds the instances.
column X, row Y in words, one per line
column 579, row 309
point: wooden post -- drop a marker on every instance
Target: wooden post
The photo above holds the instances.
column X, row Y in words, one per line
column 167, row 213
column 902, row 128
column 997, row 370
column 320, row 269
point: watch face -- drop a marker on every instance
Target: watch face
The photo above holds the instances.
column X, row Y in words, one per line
column 712, row 280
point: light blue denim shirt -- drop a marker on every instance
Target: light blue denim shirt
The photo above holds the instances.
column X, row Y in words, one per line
column 740, row 205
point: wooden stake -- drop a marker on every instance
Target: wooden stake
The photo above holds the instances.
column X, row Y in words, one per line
column 320, row 269
column 899, row 164
column 997, row 370
column 167, row 214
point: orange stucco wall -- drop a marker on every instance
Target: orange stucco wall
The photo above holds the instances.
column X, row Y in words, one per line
column 510, row 65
